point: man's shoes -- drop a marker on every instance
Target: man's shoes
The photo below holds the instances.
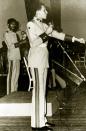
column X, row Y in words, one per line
column 45, row 128
column 50, row 124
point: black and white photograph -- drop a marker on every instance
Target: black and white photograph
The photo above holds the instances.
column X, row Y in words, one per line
column 42, row 65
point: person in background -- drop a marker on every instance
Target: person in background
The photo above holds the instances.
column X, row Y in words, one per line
column 24, row 47
column 38, row 34
column 11, row 37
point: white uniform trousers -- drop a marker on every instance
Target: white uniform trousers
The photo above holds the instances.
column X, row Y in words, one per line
column 13, row 75
column 38, row 117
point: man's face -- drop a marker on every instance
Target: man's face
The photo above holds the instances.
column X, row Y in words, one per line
column 13, row 26
column 42, row 13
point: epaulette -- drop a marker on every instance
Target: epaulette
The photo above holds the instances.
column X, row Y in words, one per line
column 29, row 24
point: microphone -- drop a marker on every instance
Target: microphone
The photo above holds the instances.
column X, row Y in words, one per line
column 51, row 24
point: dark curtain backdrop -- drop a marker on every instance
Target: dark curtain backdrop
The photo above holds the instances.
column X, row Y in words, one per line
column 56, row 13
column 30, row 5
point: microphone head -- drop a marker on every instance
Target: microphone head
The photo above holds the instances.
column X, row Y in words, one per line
column 50, row 24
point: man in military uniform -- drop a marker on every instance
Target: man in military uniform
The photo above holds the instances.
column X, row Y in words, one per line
column 38, row 33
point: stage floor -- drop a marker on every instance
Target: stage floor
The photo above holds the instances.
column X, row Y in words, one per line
column 19, row 104
column 69, row 116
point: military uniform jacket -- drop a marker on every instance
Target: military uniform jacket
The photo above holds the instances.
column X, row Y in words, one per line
column 38, row 53
column 10, row 39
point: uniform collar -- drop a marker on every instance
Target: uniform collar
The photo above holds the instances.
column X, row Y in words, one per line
column 37, row 19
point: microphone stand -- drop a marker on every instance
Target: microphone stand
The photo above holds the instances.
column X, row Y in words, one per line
column 84, row 79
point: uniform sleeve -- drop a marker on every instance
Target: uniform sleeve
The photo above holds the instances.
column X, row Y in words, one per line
column 34, row 39
column 8, row 42
column 56, row 34
column 63, row 36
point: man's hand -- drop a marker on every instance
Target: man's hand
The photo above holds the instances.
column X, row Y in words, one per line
column 81, row 40
column 49, row 29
